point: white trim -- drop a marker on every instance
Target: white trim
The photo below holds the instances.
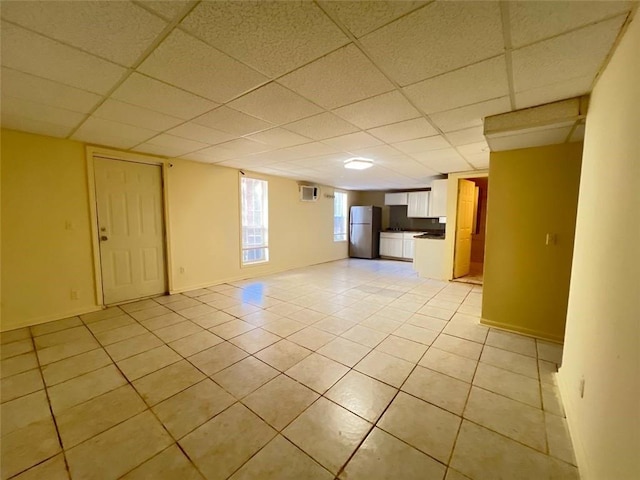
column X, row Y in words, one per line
column 93, row 152
column 578, row 448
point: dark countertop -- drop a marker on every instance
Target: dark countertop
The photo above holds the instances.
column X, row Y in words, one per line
column 432, row 236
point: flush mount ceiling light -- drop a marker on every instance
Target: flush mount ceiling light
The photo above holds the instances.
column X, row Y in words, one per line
column 358, row 163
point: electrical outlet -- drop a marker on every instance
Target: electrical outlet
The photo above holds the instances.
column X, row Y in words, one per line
column 181, row 269
column 582, row 387
column 74, row 295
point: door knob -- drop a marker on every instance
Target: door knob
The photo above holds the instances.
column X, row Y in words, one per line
column 104, row 238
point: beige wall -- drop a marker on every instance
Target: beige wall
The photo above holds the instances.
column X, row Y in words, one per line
column 204, row 223
column 534, row 191
column 373, row 197
column 47, row 242
column 46, row 237
column 602, row 343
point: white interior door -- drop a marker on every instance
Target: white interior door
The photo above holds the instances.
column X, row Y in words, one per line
column 131, row 230
column 464, row 225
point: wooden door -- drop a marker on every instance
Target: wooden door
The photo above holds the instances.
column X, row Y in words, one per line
column 131, row 229
column 464, row 228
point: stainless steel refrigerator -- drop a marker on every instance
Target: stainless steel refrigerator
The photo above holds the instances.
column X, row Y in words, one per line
column 364, row 232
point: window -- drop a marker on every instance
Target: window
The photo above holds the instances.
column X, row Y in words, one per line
column 255, row 220
column 340, row 217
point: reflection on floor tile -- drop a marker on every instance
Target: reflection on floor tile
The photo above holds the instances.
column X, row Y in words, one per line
column 352, row 369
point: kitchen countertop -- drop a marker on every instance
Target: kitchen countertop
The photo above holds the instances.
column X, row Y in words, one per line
column 430, row 236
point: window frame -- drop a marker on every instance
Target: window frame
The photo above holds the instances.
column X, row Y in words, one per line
column 245, row 223
column 341, row 236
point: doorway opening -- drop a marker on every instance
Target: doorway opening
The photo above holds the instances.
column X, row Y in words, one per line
column 471, row 224
column 130, row 228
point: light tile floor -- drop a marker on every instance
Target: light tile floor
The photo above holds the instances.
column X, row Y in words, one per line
column 352, row 369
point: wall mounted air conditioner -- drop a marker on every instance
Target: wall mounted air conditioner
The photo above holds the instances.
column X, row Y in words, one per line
column 308, row 193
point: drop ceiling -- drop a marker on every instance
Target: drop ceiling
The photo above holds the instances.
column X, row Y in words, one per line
column 294, row 89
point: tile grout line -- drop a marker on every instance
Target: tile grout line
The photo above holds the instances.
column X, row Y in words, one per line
column 53, row 417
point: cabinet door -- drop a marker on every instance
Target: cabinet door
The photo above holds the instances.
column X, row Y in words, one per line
column 407, row 248
column 399, row 198
column 385, row 247
column 438, row 200
column 418, row 205
column 396, row 248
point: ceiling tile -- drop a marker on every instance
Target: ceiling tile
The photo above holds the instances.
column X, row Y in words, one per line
column 191, row 64
column 22, row 85
column 377, row 153
column 155, row 95
column 275, row 104
column 193, row 131
column 24, row 124
column 472, row 149
column 407, row 130
column 39, row 111
column 342, row 77
column 105, row 132
column 152, row 149
column 319, row 127
column 472, row 84
column 353, row 141
column 311, row 150
column 273, row 156
column 574, row 87
column 117, row 31
column 444, row 161
column 166, row 140
column 534, row 21
column 168, row 9
column 31, row 53
column 133, row 115
column 577, row 54
column 232, row 121
column 278, row 137
column 384, row 109
column 214, row 154
column 471, row 115
column 273, row 37
column 466, row 136
column 436, row 39
column 422, row 144
column 363, row 17
column 242, row 146
column 480, row 161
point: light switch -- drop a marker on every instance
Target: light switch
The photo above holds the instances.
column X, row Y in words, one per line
column 551, row 239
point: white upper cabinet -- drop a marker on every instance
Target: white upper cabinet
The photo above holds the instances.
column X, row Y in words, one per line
column 418, row 204
column 438, row 200
column 395, row 198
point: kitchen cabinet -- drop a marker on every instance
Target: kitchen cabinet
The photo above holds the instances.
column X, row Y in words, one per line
column 391, row 245
column 398, row 244
column 408, row 243
column 418, row 205
column 438, row 198
column 395, row 198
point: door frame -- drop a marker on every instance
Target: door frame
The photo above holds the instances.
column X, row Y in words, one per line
column 92, row 153
column 452, row 213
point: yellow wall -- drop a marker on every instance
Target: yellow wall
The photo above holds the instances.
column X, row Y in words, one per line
column 534, row 191
column 204, row 222
column 602, row 343
column 47, row 242
column 46, row 238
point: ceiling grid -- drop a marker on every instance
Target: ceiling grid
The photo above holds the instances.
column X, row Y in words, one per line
column 294, row 89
